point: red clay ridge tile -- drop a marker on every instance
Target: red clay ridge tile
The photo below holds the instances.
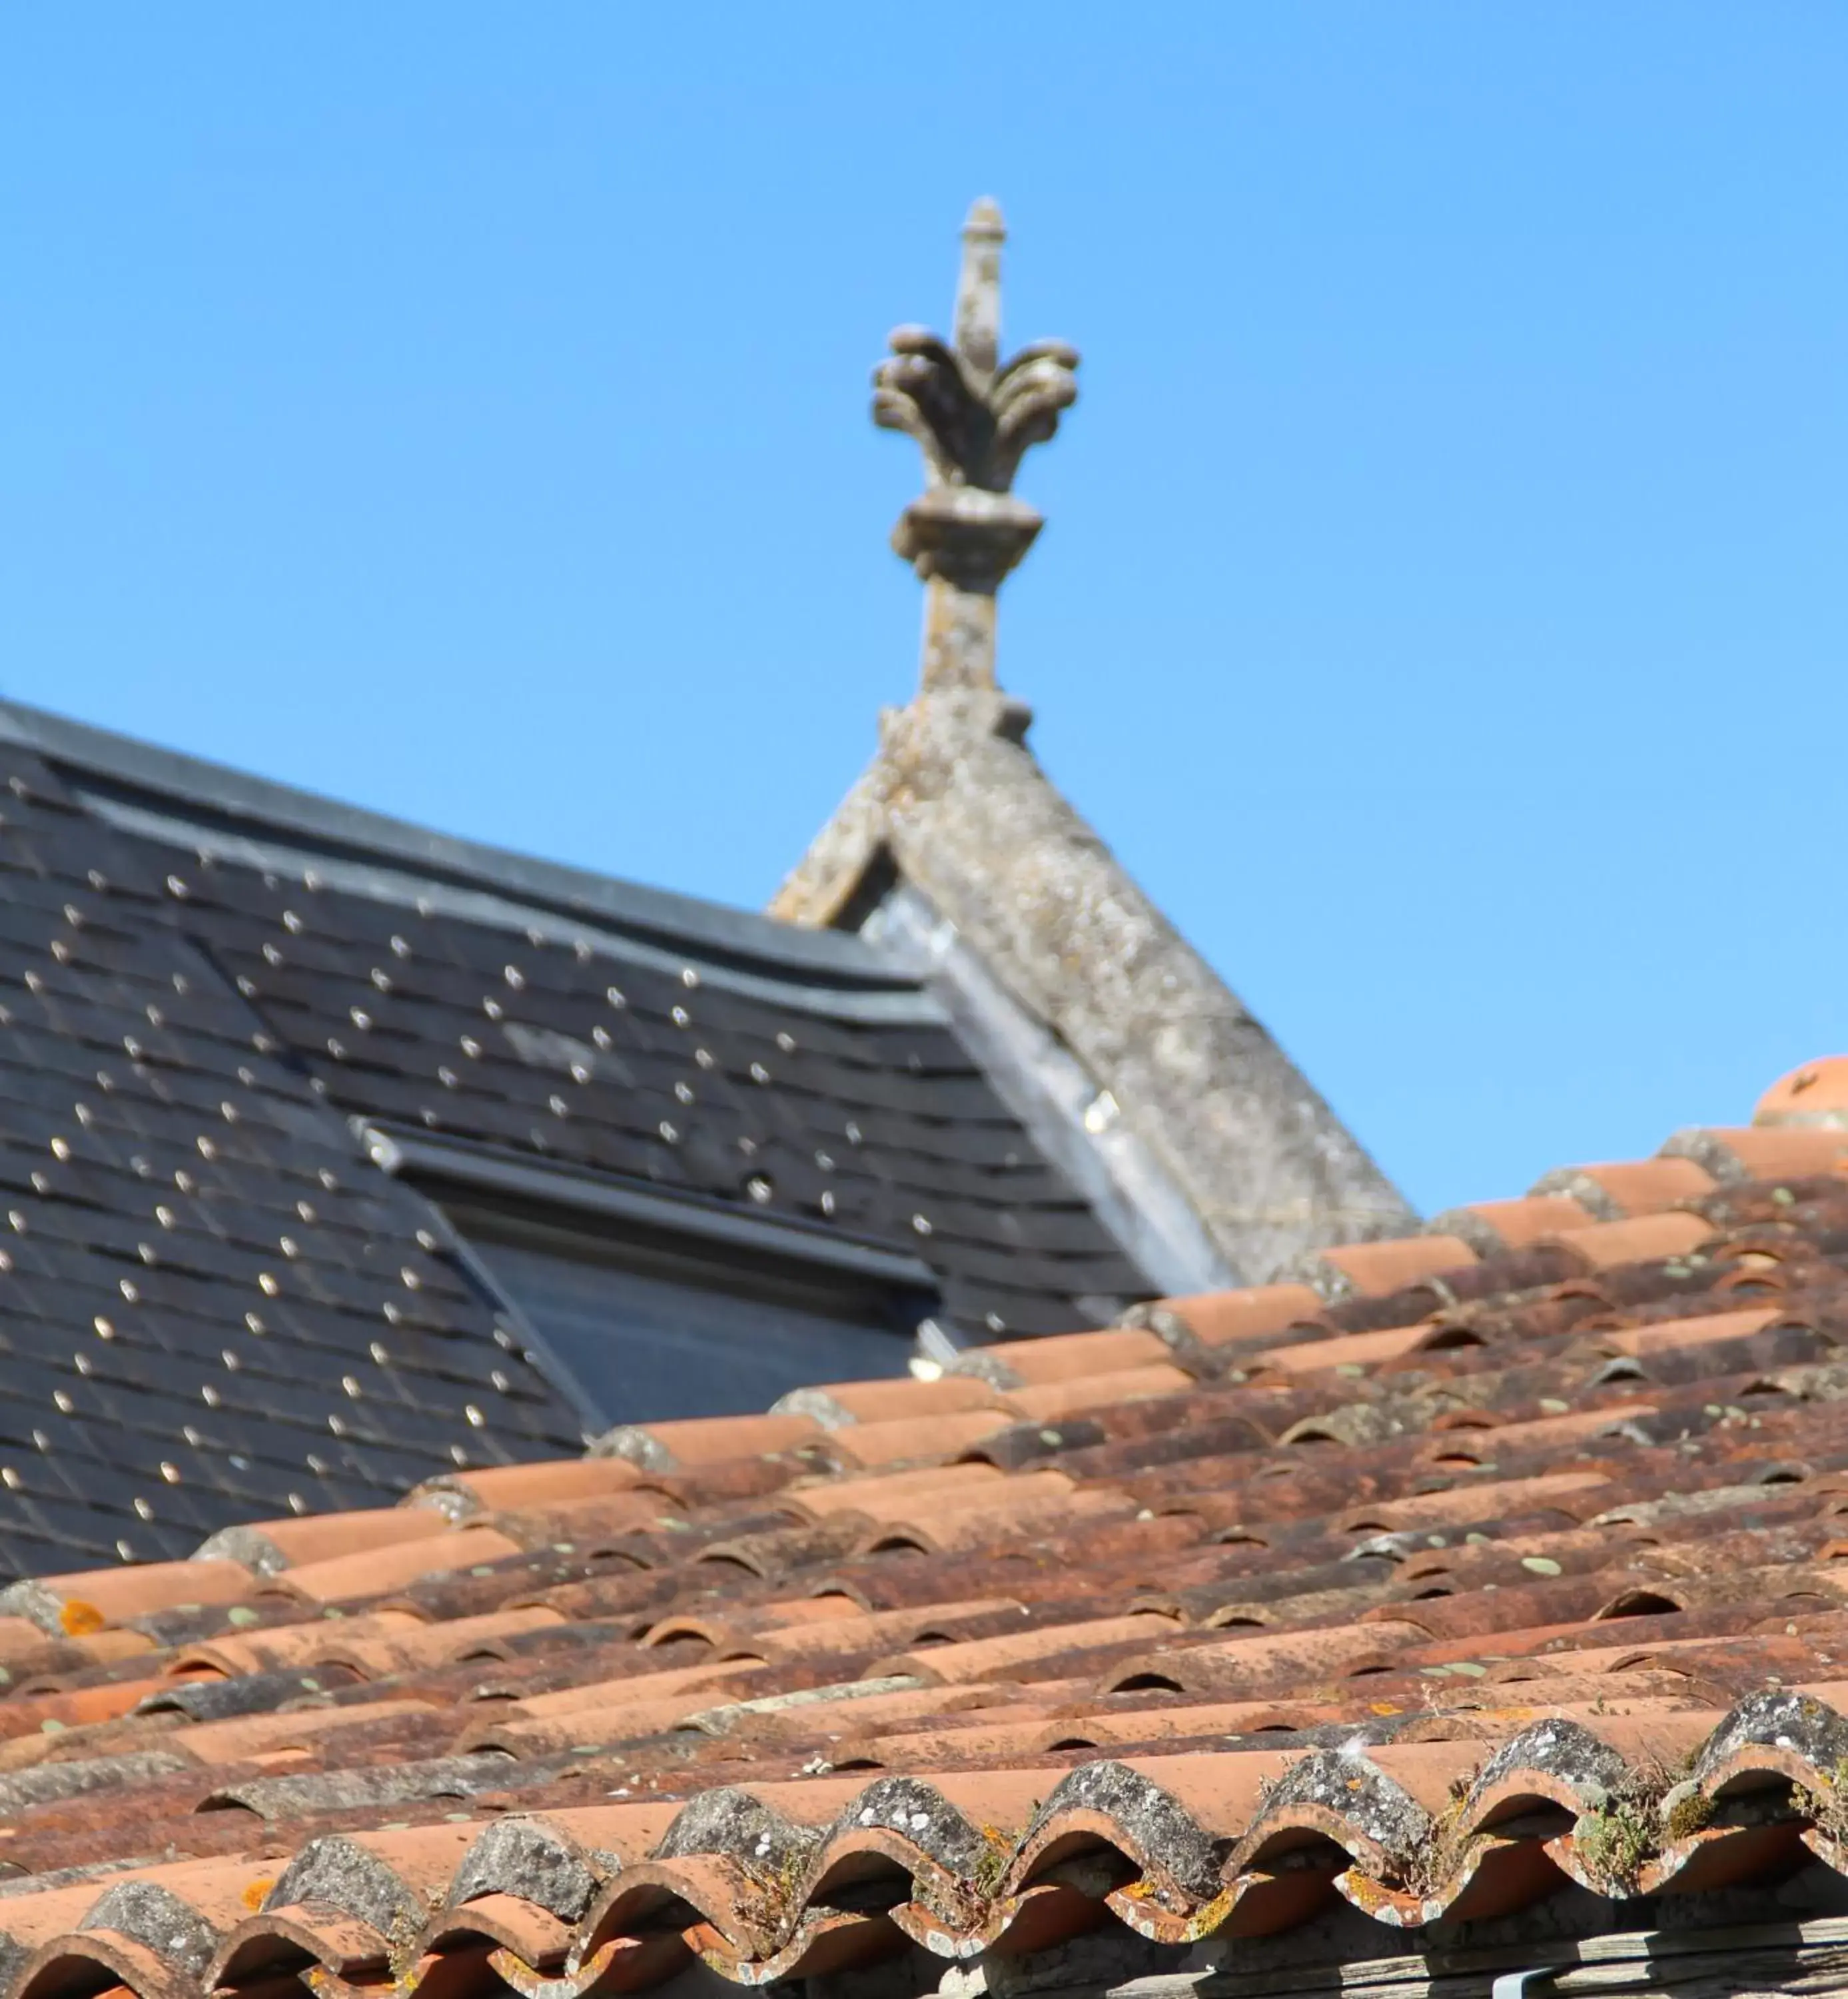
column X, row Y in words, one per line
column 840, row 1403
column 1355, row 1351
column 700, row 1440
column 21, row 1638
column 940, row 1626
column 1668, row 1336
column 1645, row 1238
column 881, row 1495
column 73, row 1606
column 1763, row 1152
column 913, row 1440
column 1376, row 1270
column 280, row 1647
column 981, row 1658
column 1632, row 1187
column 346, row 1578
column 989, row 1521
column 266, row 1547
column 1049, row 1400
column 460, row 1494
column 1816, row 1094
column 271, row 1735
column 1216, row 1318
column 1492, row 1227
column 1022, row 1364
column 1101, row 1727
column 1018, row 1737
column 412, row 1647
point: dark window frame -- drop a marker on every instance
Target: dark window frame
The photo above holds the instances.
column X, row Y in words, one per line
column 499, row 1209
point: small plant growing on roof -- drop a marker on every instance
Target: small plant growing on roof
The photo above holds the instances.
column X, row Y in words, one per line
column 1688, row 1809
column 1824, row 1803
column 963, row 1902
column 1621, row 1835
column 777, row 1880
column 1434, row 1863
column 1614, row 1842
column 991, row 1865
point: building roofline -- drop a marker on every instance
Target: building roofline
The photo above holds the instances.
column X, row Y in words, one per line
column 741, row 937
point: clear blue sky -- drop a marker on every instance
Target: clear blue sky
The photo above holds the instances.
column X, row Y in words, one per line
column 460, row 410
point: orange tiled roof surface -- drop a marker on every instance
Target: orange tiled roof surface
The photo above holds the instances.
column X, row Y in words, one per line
column 1497, row 1567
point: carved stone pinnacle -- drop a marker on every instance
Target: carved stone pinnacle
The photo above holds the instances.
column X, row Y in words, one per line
column 974, row 420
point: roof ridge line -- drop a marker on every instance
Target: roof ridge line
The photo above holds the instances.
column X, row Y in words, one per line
column 244, row 801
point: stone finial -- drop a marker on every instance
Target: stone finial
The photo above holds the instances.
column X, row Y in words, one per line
column 978, row 288
column 1222, row 1160
column 975, row 421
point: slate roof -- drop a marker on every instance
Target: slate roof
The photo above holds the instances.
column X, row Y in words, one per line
column 214, row 1306
column 1495, row 1574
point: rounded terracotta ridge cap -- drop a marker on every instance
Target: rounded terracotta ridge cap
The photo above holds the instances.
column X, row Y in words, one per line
column 1668, row 1232
column 1815, row 1092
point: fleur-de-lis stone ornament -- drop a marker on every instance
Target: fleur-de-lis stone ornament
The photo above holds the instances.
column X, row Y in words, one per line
column 974, row 419
column 954, row 842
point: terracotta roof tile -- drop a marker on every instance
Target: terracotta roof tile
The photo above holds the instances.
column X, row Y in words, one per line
column 1816, row 1094
column 707, row 1440
column 348, row 1578
column 1218, row 1316
column 73, row 1605
column 889, row 1495
column 269, row 1546
column 1758, row 1152
column 1632, row 1187
column 1022, row 1364
column 1510, row 1559
column 1701, row 1329
column 840, row 1403
column 908, row 1440
column 1048, row 1401
column 1489, row 1227
column 461, row 1493
column 1374, row 1270
column 1350, row 1352
column 1641, row 1239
